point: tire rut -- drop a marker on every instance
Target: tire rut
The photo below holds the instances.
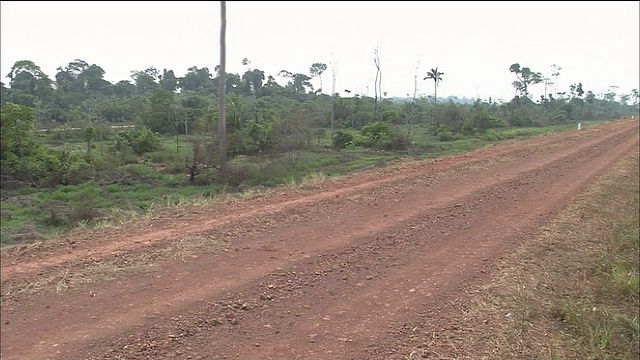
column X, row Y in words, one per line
column 352, row 263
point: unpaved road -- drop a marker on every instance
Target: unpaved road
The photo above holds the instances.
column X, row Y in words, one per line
column 352, row 269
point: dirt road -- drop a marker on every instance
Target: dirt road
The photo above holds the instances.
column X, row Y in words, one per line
column 352, row 269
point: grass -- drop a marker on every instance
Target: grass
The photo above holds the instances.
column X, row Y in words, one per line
column 158, row 179
column 571, row 293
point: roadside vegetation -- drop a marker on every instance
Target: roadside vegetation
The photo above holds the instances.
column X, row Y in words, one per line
column 79, row 151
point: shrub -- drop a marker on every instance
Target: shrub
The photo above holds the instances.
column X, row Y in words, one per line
column 343, row 139
column 376, row 134
column 141, row 140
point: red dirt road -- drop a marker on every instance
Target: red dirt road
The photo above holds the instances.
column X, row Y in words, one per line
column 352, row 269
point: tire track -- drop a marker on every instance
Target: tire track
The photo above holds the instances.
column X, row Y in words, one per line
column 345, row 237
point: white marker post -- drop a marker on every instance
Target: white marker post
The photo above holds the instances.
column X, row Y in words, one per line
column 579, row 126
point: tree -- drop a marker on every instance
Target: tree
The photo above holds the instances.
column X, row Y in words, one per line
column 301, row 82
column 624, row 98
column 547, row 83
column 526, row 78
column 635, row 96
column 298, row 82
column 556, row 73
column 316, row 70
column 168, row 81
column 3, row 93
column 16, row 123
column 159, row 117
column 611, row 94
column 196, row 79
column 92, row 77
column 222, row 121
column 27, row 78
column 253, row 79
column 145, row 81
column 579, row 90
column 378, row 86
column 436, row 76
column 333, row 93
column 89, row 134
column 124, row 88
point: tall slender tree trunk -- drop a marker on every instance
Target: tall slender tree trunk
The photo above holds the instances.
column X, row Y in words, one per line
column 435, row 92
column 100, row 131
column 377, row 87
column 333, row 94
column 222, row 121
column 255, row 103
column 380, row 90
column 435, row 103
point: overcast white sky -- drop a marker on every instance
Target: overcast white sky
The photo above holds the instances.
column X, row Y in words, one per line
column 473, row 43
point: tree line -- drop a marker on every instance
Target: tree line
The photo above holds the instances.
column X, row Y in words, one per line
column 263, row 116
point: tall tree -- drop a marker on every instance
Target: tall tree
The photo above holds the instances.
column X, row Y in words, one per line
column 333, row 93
column 526, row 78
column 378, row 86
column 298, row 82
column 168, row 81
column 196, row 79
column 555, row 72
column 316, row 70
column 222, row 120
column 253, row 79
column 27, row 77
column 635, row 96
column 16, row 125
column 436, row 76
column 145, row 81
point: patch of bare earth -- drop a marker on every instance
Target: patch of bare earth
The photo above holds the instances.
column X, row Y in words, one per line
column 360, row 267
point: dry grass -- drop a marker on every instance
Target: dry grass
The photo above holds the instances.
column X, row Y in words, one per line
column 95, row 273
column 571, row 293
column 312, row 180
column 193, row 245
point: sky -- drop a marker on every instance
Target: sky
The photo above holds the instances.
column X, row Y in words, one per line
column 473, row 43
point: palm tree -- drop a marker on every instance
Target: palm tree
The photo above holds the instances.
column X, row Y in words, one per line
column 436, row 76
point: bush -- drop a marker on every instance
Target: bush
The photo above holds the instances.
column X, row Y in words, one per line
column 343, row 139
column 399, row 142
column 141, row 140
column 376, row 134
column 251, row 139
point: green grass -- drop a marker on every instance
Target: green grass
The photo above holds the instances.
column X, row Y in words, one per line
column 601, row 319
column 47, row 212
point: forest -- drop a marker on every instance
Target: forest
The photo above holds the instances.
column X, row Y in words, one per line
column 77, row 133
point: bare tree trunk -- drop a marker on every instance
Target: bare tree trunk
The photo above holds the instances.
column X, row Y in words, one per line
column 375, row 84
column 435, row 103
column 333, row 94
column 415, row 84
column 413, row 100
column 435, row 93
column 378, row 87
column 255, row 103
column 100, row 131
column 186, row 143
column 222, row 121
